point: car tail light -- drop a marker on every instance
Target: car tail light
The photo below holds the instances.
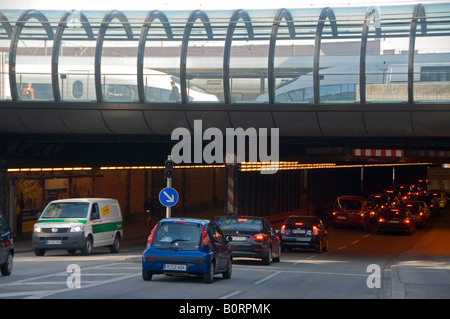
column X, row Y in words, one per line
column 258, row 237
column 152, row 234
column 283, row 230
column 315, row 231
column 205, row 238
column 406, row 221
column 381, row 220
column 334, row 213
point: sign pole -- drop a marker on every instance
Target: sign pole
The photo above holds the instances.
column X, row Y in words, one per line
column 169, row 208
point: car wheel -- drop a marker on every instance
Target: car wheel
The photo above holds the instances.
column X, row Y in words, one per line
column 115, row 247
column 146, row 275
column 266, row 260
column 208, row 276
column 227, row 273
column 277, row 259
column 87, row 249
column 7, row 267
column 39, row 252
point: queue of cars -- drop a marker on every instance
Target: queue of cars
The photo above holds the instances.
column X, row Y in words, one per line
column 400, row 209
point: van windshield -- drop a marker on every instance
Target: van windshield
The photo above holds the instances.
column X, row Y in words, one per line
column 66, row 210
column 178, row 236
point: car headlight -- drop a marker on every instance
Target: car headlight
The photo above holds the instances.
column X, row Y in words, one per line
column 37, row 229
column 76, row 229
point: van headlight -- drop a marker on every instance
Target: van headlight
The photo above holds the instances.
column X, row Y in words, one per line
column 76, row 229
column 37, row 229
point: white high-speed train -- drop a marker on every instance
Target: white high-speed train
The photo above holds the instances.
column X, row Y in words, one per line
column 386, row 80
column 119, row 83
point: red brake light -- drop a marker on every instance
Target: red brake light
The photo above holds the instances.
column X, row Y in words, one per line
column 381, row 220
column 152, row 234
column 315, row 231
column 406, row 221
column 205, row 238
column 299, row 224
column 258, row 237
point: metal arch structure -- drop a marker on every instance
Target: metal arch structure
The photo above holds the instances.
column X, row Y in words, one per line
column 57, row 45
column 195, row 15
column 152, row 15
column 418, row 19
column 113, row 14
column 281, row 14
column 237, row 15
column 27, row 15
column 418, row 14
column 327, row 13
column 372, row 14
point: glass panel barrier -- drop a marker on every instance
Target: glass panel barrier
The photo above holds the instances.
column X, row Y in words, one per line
column 432, row 55
column 241, row 56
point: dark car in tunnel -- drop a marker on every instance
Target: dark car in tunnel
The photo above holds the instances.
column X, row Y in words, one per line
column 306, row 232
column 398, row 220
column 252, row 237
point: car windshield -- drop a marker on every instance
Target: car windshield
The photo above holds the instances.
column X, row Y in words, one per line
column 348, row 204
column 245, row 224
column 178, row 236
column 66, row 210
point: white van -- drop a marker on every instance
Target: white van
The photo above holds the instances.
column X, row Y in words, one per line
column 79, row 223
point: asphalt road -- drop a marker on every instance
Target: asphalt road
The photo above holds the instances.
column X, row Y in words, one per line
column 359, row 265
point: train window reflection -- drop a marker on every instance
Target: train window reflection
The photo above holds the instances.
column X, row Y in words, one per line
column 77, row 89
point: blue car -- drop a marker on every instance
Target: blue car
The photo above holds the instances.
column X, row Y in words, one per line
column 187, row 246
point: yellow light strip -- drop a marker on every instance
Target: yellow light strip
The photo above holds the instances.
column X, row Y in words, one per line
column 48, row 169
column 244, row 167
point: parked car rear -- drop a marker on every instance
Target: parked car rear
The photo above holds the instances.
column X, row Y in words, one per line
column 351, row 211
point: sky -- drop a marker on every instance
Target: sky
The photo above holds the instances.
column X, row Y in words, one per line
column 190, row 4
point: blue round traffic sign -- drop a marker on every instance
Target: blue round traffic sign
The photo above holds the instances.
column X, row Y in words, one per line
column 168, row 196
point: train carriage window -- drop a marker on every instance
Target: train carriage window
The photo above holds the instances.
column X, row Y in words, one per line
column 77, row 89
column 435, row 73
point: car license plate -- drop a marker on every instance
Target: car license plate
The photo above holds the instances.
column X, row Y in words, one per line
column 341, row 217
column 238, row 238
column 394, row 221
column 178, row 267
column 53, row 242
column 299, row 231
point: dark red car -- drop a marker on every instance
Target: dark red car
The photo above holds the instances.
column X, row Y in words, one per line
column 351, row 211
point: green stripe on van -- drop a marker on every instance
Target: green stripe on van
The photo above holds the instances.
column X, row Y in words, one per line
column 71, row 220
column 104, row 227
